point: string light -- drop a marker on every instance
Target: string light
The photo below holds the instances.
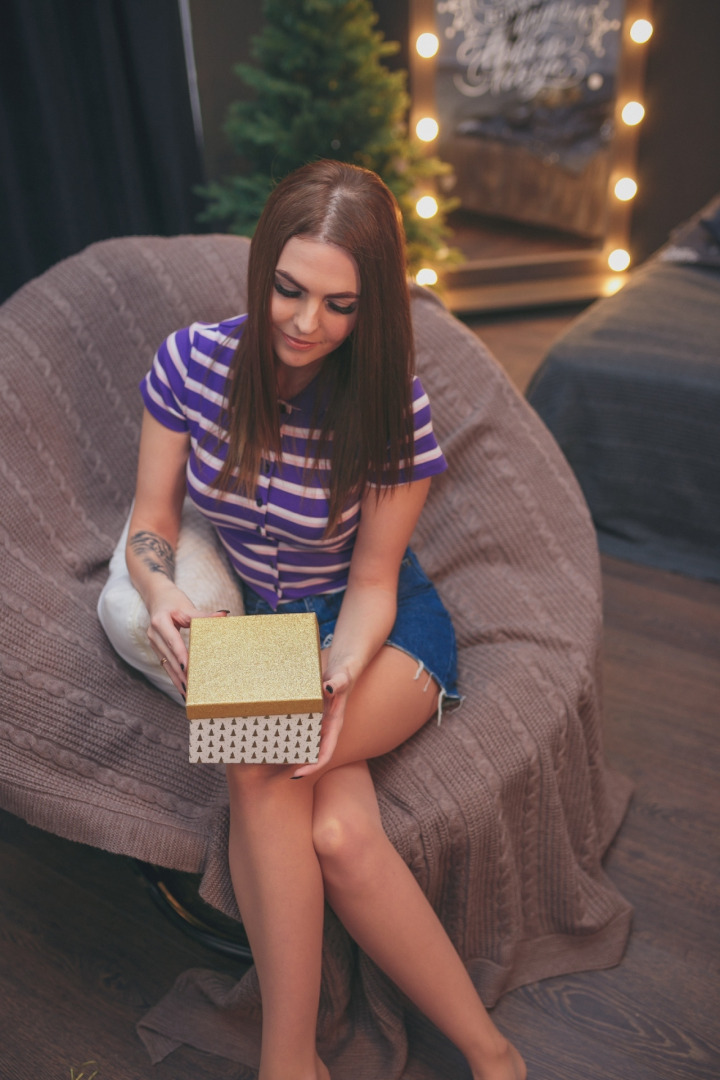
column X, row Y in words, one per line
column 641, row 31
column 426, row 207
column 427, row 129
column 613, row 285
column 427, row 45
column 426, row 276
column 625, row 189
column 619, row 260
column 633, row 113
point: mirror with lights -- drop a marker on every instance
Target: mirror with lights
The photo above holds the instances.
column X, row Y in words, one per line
column 536, row 105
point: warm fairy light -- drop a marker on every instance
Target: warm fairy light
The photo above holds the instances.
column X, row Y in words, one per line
column 625, row 189
column 427, row 45
column 613, row 285
column 427, row 207
column 426, row 276
column 427, row 129
column 619, row 260
column 641, row 31
column 633, row 113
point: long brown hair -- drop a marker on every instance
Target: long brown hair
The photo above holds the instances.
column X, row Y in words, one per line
column 367, row 381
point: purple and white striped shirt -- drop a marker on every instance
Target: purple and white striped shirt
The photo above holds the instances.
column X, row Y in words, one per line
column 275, row 539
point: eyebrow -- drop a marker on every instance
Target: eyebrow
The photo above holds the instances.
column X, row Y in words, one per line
column 330, row 296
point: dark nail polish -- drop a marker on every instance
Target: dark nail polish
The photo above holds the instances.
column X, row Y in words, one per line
column 297, row 778
column 185, row 688
column 182, row 667
column 222, row 611
column 329, row 689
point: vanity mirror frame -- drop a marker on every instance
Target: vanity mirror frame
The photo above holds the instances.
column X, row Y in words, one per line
column 568, row 275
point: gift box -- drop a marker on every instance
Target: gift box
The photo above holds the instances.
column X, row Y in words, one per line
column 254, row 688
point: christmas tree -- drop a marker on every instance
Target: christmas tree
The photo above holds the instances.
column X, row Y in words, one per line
column 321, row 90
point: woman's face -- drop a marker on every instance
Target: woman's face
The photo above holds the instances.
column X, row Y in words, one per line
column 313, row 308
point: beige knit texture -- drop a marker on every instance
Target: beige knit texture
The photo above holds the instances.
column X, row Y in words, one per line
column 503, row 812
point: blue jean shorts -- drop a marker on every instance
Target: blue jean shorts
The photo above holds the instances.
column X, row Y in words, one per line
column 422, row 627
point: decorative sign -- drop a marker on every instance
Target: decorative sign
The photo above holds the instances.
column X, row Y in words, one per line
column 540, row 74
column 524, row 47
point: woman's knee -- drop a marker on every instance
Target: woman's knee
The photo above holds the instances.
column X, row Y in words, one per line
column 345, row 838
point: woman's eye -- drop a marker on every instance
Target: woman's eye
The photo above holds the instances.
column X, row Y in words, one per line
column 285, row 291
column 348, row 309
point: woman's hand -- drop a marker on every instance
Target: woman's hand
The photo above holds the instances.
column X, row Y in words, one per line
column 172, row 611
column 337, row 685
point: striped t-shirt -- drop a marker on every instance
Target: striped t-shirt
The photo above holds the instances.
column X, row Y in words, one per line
column 275, row 539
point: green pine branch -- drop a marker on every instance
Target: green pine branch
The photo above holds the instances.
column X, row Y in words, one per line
column 321, row 90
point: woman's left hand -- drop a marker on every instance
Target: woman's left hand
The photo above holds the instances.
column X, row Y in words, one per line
column 336, row 688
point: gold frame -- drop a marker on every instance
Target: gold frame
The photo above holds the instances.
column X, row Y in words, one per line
column 556, row 277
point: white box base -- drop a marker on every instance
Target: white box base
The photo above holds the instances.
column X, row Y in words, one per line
column 292, row 738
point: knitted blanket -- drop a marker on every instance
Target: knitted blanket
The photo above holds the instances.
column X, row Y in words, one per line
column 503, row 812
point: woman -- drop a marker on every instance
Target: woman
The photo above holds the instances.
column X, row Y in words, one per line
column 307, row 442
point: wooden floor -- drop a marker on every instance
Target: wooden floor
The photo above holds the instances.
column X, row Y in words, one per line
column 84, row 952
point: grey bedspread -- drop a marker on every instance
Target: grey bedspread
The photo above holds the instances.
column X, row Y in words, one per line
column 631, row 392
column 503, row 813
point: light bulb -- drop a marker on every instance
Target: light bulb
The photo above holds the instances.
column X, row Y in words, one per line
column 619, row 260
column 426, row 276
column 427, row 207
column 625, row 189
column 613, row 285
column 641, row 31
column 633, row 113
column 427, row 129
column 427, row 45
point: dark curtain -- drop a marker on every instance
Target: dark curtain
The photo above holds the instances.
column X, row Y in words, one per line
column 96, row 131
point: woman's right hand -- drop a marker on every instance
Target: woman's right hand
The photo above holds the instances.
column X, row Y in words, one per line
column 171, row 610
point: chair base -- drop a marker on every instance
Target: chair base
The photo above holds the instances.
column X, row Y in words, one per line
column 176, row 895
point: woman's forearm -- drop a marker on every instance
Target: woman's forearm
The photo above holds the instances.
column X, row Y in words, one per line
column 365, row 620
column 155, row 521
column 150, row 560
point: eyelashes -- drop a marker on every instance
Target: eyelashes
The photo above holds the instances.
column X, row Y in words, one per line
column 285, row 291
column 293, row 294
column 349, row 309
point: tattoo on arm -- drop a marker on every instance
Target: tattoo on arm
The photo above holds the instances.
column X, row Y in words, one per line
column 155, row 552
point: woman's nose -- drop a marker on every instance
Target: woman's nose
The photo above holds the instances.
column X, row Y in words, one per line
column 307, row 315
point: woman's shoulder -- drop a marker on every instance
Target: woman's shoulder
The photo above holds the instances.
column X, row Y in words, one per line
column 202, row 343
column 215, row 334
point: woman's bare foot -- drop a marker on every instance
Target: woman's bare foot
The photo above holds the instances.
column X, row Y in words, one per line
column 506, row 1064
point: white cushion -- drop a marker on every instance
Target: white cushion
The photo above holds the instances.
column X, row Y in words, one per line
column 202, row 571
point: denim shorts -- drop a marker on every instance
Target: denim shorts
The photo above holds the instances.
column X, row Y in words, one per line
column 422, row 627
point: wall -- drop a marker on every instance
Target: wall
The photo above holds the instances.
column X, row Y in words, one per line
column 679, row 147
column 222, row 31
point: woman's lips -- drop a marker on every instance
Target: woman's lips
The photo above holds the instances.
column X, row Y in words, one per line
column 296, row 343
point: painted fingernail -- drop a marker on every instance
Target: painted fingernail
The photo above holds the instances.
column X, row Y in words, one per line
column 184, row 688
column 329, row 688
column 222, row 611
column 296, row 777
column 182, row 667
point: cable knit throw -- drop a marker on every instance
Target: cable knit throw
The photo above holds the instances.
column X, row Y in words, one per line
column 503, row 812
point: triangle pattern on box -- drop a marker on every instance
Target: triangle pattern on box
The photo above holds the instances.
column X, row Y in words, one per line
column 290, row 738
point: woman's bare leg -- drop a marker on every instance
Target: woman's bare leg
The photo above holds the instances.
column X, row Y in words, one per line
column 279, row 885
column 279, row 890
column 379, row 901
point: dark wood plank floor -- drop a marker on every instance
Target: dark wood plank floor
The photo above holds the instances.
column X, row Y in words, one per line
column 84, row 952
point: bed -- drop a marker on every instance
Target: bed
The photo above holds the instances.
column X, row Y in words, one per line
column 631, row 393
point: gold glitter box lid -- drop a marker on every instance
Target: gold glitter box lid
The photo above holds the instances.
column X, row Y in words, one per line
column 254, row 665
